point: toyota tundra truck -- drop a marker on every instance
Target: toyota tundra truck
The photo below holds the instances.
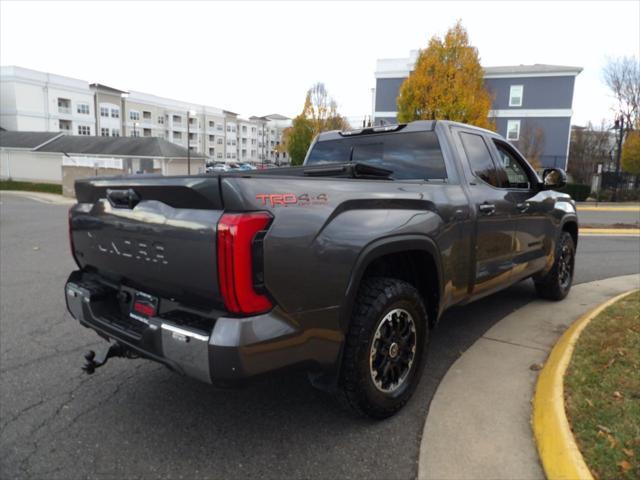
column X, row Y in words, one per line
column 341, row 266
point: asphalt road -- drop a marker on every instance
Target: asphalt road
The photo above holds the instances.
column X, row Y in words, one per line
column 135, row 419
column 603, row 218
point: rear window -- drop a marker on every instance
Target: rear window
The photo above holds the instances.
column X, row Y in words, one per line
column 411, row 156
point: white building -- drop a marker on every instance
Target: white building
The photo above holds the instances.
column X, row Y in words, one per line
column 43, row 102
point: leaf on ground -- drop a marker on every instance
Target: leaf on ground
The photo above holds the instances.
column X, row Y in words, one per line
column 604, row 429
column 624, row 466
column 536, row 366
column 628, row 452
column 589, row 402
column 617, row 394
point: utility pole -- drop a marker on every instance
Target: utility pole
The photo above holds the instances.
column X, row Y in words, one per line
column 619, row 124
column 188, row 149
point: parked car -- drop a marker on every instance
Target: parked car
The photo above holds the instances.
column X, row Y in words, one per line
column 342, row 266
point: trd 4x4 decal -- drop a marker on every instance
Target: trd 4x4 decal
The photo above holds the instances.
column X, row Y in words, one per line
column 291, row 199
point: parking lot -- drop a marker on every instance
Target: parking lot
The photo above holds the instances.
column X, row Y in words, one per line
column 136, row 419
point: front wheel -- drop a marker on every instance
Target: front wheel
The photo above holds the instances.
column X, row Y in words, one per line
column 385, row 347
column 556, row 284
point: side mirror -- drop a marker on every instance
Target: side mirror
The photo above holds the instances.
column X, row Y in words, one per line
column 553, row 178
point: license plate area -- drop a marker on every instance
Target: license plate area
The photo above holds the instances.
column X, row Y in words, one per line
column 143, row 307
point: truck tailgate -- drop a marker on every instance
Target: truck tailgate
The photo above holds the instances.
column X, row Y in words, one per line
column 156, row 234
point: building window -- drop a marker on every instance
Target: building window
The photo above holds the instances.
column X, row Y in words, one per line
column 177, row 119
column 64, row 105
column 219, row 141
column 219, row 127
column 104, row 132
column 83, row 108
column 211, row 151
column 228, row 128
column 211, row 124
column 64, row 125
column 104, row 111
column 160, row 119
column 84, row 130
column 147, row 132
column 115, row 132
column 135, row 133
column 115, row 113
column 513, row 130
column 133, row 115
column 515, row 96
column 228, row 155
column 146, row 115
column 219, row 155
column 212, row 138
column 177, row 135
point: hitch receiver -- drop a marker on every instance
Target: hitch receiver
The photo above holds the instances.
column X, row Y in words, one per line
column 91, row 362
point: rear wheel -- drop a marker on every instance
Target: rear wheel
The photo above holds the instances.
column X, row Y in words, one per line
column 384, row 351
column 556, row 284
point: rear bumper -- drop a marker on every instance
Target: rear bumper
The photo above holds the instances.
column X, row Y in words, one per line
column 232, row 350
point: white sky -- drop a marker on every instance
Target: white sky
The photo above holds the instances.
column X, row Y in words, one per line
column 257, row 58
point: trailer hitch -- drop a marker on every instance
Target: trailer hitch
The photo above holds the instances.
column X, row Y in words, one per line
column 92, row 362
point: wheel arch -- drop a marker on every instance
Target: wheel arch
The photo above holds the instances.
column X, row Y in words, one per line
column 419, row 248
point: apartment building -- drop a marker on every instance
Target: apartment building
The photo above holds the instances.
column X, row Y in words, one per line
column 43, row 102
column 528, row 101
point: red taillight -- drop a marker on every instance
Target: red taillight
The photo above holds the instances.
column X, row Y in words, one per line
column 236, row 232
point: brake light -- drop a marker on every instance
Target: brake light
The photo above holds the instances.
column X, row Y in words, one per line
column 236, row 232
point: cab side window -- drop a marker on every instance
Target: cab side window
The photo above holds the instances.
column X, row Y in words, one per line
column 479, row 158
column 516, row 175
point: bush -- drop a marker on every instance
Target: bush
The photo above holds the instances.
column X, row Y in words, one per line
column 31, row 187
column 579, row 192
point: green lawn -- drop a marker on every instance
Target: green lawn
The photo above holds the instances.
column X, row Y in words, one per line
column 30, row 187
column 602, row 391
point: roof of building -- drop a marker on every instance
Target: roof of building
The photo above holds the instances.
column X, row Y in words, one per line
column 277, row 116
column 538, row 68
column 28, row 140
column 100, row 86
column 53, row 142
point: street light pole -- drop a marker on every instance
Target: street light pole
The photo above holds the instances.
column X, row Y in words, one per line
column 188, row 149
column 619, row 123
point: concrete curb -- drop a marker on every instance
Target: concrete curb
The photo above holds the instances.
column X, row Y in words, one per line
column 479, row 420
column 610, row 231
column 559, row 453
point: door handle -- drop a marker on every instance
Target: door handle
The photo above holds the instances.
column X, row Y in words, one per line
column 523, row 207
column 487, row 208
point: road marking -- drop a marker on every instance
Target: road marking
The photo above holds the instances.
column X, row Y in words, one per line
column 609, row 209
column 610, row 231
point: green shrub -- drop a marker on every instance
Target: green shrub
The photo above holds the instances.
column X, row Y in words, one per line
column 31, row 187
column 579, row 192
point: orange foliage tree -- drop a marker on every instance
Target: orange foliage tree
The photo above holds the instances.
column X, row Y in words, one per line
column 446, row 83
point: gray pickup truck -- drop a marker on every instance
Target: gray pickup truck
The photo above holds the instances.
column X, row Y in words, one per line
column 341, row 266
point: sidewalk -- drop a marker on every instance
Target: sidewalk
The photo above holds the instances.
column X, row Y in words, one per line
column 41, row 197
column 479, row 421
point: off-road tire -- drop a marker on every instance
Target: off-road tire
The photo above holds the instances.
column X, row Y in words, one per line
column 554, row 285
column 377, row 297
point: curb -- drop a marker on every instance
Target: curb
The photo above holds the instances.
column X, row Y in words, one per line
column 556, row 445
column 622, row 208
column 609, row 231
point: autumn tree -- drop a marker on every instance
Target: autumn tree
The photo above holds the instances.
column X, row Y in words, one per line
column 531, row 143
column 622, row 76
column 588, row 147
column 631, row 153
column 319, row 114
column 447, row 83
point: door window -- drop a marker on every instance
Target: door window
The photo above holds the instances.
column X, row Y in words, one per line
column 516, row 175
column 479, row 158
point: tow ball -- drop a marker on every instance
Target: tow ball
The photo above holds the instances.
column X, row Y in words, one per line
column 91, row 361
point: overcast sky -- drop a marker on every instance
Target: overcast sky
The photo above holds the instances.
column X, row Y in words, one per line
column 258, row 58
